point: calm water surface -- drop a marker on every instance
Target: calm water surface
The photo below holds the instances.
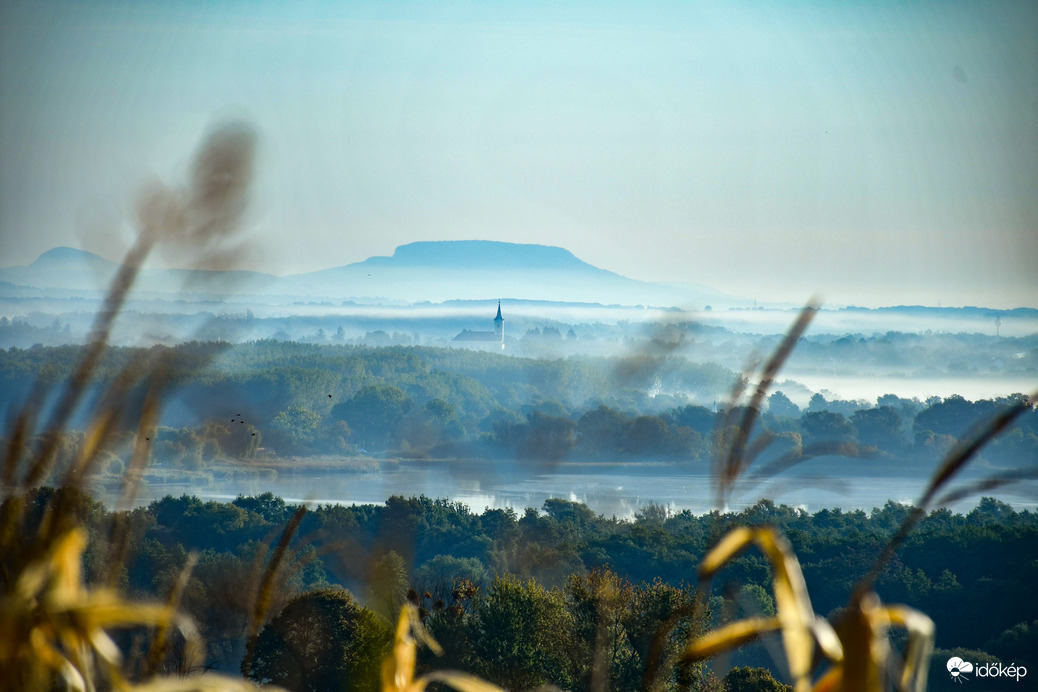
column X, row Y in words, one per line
column 612, row 490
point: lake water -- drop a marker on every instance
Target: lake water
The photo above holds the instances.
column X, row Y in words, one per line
column 609, row 489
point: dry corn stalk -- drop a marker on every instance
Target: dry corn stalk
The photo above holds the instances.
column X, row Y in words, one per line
column 54, row 630
column 399, row 666
column 858, row 649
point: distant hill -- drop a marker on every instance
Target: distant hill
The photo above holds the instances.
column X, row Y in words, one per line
column 438, row 271
column 434, row 271
column 78, row 270
column 62, row 267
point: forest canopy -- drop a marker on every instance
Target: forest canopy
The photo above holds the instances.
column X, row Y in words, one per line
column 290, row 399
column 539, row 580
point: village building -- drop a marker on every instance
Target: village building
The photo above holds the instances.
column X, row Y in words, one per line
column 497, row 336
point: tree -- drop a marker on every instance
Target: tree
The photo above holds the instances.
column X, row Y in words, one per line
column 699, row 418
column 322, row 640
column 522, row 635
column 267, row 505
column 548, row 437
column 826, row 426
column 647, row 435
column 424, row 428
column 599, row 603
column 753, row 680
column 388, row 584
column 439, row 575
column 295, row 428
column 780, row 405
column 880, row 428
column 990, row 510
column 374, row 413
column 817, row 403
column 601, row 431
column 652, row 605
column 953, row 416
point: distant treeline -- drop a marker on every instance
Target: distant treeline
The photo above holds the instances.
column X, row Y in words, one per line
column 912, row 353
column 291, row 399
column 540, row 580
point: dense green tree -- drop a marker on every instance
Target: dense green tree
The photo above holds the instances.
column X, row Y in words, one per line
column 752, row 680
column 387, row 585
column 817, row 403
column 780, row 405
column 647, row 436
column 990, row 510
column 600, row 431
column 439, row 575
column 375, row 413
column 522, row 637
column 880, row 428
column 178, row 446
column 547, row 438
column 699, row 418
column 952, row 416
column 322, row 641
column 267, row 505
column 294, row 429
column 826, row 426
column 599, row 603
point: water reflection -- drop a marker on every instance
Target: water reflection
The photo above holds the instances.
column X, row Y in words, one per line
column 618, row 490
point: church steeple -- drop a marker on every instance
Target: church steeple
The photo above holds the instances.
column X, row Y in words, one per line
column 499, row 325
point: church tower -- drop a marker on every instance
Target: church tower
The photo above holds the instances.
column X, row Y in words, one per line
column 499, row 324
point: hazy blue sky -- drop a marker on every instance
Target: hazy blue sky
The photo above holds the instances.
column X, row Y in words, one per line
column 876, row 152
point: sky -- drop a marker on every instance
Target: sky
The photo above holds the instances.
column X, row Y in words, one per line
column 873, row 153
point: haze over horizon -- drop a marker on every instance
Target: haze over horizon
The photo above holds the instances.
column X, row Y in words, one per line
column 877, row 154
column 419, row 273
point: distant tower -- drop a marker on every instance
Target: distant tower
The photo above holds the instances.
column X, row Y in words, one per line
column 499, row 325
column 998, row 323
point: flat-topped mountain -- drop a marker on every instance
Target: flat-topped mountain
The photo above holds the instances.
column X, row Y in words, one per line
column 436, row 271
column 433, row 271
column 481, row 253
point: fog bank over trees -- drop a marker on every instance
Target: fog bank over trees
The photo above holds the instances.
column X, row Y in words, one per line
column 278, row 398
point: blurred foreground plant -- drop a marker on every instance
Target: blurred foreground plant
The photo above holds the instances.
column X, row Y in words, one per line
column 399, row 666
column 857, row 647
column 55, row 630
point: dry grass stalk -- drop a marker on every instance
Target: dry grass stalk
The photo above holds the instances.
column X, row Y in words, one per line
column 733, row 452
column 54, row 629
column 266, row 586
column 858, row 650
column 399, row 667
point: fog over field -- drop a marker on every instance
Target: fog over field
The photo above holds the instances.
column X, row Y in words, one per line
column 848, row 352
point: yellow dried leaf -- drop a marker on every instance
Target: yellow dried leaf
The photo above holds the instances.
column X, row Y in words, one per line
column 729, row 637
